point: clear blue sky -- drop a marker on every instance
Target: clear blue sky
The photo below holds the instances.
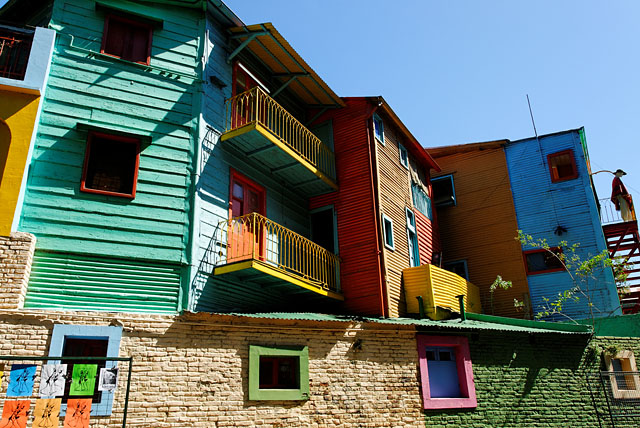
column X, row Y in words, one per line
column 459, row 71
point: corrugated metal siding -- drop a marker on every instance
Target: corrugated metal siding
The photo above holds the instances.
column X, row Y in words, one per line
column 359, row 268
column 439, row 288
column 93, row 89
column 64, row 281
column 482, row 227
column 396, row 196
column 541, row 206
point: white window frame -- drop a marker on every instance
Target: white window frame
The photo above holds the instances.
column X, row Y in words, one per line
column 414, row 249
column 623, row 394
column 387, row 220
column 378, row 119
column 402, row 149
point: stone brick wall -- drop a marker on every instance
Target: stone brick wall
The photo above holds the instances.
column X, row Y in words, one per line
column 192, row 371
column 16, row 256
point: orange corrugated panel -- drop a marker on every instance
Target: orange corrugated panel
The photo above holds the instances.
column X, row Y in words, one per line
column 353, row 202
column 482, row 227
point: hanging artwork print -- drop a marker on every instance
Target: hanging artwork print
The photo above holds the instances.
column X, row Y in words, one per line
column 83, row 379
column 47, row 413
column 52, row 380
column 21, row 380
column 108, row 379
column 77, row 415
column 14, row 414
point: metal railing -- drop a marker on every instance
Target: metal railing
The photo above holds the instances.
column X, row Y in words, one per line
column 616, row 397
column 255, row 237
column 15, row 47
column 255, row 105
column 609, row 214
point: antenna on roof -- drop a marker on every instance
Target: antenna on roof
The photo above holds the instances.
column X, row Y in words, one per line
column 532, row 121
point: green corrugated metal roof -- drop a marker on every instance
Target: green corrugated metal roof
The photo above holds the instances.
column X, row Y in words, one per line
column 473, row 322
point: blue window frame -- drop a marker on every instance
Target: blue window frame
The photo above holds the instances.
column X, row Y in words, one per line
column 113, row 335
column 444, row 191
column 378, row 128
column 412, row 239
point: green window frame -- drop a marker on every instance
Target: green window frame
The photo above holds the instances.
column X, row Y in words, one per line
column 270, row 352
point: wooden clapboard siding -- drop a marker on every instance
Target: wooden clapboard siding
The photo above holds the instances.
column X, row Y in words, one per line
column 542, row 205
column 212, row 193
column 395, row 197
column 354, row 205
column 156, row 103
column 482, row 227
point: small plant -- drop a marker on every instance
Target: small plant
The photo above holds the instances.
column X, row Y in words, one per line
column 499, row 283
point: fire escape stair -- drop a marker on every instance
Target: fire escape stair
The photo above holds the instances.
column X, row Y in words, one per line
column 623, row 241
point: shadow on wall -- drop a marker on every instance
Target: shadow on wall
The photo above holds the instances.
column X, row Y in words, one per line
column 5, row 141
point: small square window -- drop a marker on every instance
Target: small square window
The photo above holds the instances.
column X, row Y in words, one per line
column 562, row 166
column 623, row 375
column 542, row 261
column 387, row 230
column 446, row 374
column 111, row 165
column 404, row 156
column 378, row 129
column 278, row 373
column 127, row 39
column 444, row 192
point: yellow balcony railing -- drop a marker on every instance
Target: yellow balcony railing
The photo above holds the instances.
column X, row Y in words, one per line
column 255, row 237
column 255, row 106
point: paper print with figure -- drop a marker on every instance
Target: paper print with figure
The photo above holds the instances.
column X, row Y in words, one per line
column 78, row 410
column 108, row 379
column 14, row 414
column 83, row 379
column 21, row 380
column 47, row 413
column 52, row 380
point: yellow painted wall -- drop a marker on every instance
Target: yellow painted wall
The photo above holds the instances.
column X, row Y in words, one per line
column 18, row 111
column 482, row 227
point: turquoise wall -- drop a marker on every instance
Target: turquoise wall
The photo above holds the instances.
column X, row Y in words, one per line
column 159, row 102
column 212, row 186
column 542, row 205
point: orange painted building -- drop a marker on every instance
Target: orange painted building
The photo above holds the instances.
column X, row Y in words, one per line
column 478, row 223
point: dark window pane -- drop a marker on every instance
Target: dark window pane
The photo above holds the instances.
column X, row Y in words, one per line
column 111, row 166
column 74, row 347
column 542, row 261
column 279, row 373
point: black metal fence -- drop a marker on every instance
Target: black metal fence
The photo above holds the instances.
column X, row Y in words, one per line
column 616, row 398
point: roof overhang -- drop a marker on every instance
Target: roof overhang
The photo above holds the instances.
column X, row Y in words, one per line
column 411, row 143
column 284, row 63
column 438, row 152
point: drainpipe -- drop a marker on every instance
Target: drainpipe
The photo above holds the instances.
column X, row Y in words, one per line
column 420, row 306
column 375, row 183
column 463, row 314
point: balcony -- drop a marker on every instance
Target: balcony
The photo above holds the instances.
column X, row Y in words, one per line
column 15, row 46
column 438, row 289
column 263, row 133
column 256, row 252
column 25, row 55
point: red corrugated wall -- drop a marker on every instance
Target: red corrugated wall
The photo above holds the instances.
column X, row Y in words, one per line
column 359, row 269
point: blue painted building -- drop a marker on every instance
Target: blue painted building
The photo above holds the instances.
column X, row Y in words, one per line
column 541, row 186
column 555, row 199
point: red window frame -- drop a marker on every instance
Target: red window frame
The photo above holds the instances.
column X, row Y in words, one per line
column 536, row 272
column 87, row 156
column 130, row 22
column 573, row 175
column 235, row 176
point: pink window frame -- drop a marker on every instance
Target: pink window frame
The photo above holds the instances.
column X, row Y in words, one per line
column 465, row 373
